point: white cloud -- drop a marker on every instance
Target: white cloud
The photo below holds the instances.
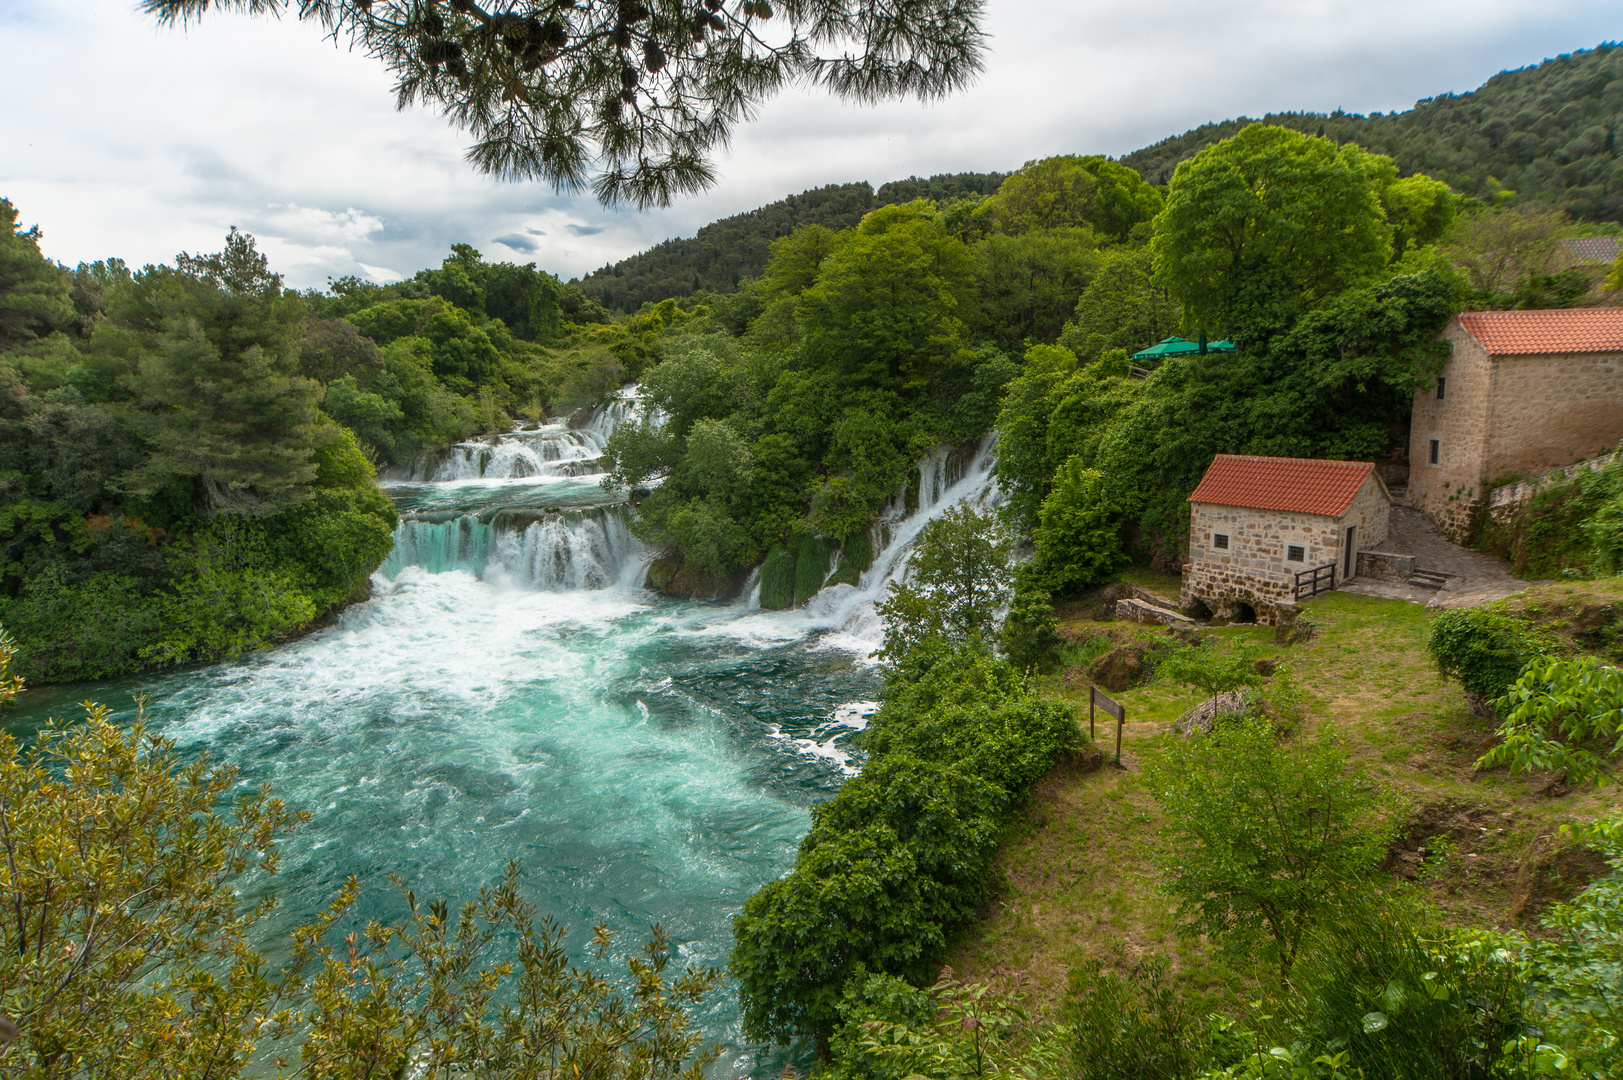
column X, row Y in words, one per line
column 125, row 139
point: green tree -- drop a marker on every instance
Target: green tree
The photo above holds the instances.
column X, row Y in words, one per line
column 1271, row 199
column 120, row 883
column 889, row 308
column 1264, row 843
column 1078, row 533
column 219, row 400
column 1501, row 249
column 629, row 99
column 956, row 580
column 1124, row 307
column 34, row 293
column 1029, row 283
column 1070, row 191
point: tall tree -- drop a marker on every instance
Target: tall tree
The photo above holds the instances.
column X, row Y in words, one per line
column 33, row 291
column 632, row 98
column 1271, row 201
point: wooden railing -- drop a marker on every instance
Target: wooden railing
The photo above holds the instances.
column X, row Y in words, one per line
column 1315, row 581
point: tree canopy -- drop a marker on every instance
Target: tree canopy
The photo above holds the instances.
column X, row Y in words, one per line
column 633, row 99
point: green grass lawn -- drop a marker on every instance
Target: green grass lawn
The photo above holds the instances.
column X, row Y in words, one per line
column 1078, row 880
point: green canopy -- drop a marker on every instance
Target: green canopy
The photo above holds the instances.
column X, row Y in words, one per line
column 1177, row 346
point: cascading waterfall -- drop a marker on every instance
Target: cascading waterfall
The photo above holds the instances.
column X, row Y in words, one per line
column 559, row 550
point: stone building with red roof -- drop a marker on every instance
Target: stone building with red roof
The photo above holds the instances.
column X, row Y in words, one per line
column 1265, row 530
column 1522, row 392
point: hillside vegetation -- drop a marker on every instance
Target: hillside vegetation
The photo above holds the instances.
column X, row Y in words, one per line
column 724, row 252
column 1546, row 133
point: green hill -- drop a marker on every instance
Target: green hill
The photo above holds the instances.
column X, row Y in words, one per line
column 736, row 247
column 1546, row 132
column 1543, row 133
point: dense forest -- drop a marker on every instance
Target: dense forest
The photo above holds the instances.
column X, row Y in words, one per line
column 1545, row 133
column 727, row 251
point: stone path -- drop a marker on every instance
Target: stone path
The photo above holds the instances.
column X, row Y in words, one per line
column 1477, row 577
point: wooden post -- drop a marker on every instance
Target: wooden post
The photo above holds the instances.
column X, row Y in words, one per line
column 1095, row 698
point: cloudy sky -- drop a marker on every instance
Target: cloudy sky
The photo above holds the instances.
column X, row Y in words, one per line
column 120, row 138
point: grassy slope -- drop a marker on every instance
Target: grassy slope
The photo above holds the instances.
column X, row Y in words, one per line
column 1078, row 881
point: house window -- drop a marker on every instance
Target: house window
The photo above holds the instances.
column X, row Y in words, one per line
column 1433, row 454
column 1220, row 541
column 1295, row 554
column 1440, row 382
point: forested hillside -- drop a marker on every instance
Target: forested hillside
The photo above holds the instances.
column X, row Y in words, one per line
column 1545, row 133
column 733, row 248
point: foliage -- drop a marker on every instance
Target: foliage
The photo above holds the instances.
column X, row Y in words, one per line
column 122, row 883
column 1485, row 649
column 549, row 93
column 1270, row 199
column 1123, row 307
column 1503, row 251
column 1555, row 713
column 1571, row 975
column 1541, row 134
column 953, row 1031
column 1389, row 992
column 121, row 888
column 1069, row 191
column 421, row 992
column 34, row 293
column 1264, row 843
column 1078, row 533
column 1201, row 668
column 956, row 580
column 1575, row 526
column 724, row 254
column 900, row 858
column 1133, row 1026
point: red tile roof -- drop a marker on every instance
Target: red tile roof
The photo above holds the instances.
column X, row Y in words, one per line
column 1297, row 485
column 1566, row 330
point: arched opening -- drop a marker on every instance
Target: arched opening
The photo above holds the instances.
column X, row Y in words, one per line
column 1198, row 609
column 1245, row 613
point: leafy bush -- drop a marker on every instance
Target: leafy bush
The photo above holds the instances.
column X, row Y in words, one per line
column 1562, row 715
column 901, row 857
column 952, row 1031
column 1264, row 843
column 1485, row 649
column 1134, row 1026
column 778, row 579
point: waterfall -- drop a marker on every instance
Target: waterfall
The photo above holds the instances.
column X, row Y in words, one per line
column 555, row 550
column 565, row 448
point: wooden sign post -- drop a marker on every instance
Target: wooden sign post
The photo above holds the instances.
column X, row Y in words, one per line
column 1100, row 700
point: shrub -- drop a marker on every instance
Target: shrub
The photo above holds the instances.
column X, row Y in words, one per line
column 1264, row 843
column 1133, row 1027
column 1485, row 649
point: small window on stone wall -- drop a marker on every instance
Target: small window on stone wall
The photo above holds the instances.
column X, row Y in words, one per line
column 1220, row 541
column 1434, row 452
column 1440, row 382
column 1295, row 554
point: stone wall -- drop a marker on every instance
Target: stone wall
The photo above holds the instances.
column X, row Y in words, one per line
column 1254, row 570
column 1450, row 491
column 1505, row 500
column 1507, row 415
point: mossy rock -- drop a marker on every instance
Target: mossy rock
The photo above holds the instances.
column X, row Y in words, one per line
column 858, row 551
column 856, row 556
column 778, row 579
column 812, row 556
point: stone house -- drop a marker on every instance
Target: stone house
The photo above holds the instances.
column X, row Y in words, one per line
column 1256, row 523
column 1522, row 392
